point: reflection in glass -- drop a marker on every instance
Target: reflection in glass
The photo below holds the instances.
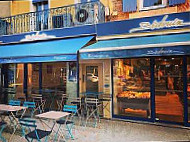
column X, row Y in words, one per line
column 15, row 81
column 132, row 87
column 169, row 89
column 148, row 3
column 92, row 79
column 33, row 78
column 54, row 76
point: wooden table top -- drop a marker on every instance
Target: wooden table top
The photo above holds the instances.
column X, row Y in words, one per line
column 10, row 108
column 54, row 115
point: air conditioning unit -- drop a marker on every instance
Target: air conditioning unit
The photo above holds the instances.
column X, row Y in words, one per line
column 64, row 20
column 86, row 14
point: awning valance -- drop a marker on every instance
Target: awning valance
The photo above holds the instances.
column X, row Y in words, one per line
column 54, row 50
column 138, row 47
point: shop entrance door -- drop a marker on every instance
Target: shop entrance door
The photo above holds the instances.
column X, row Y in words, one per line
column 92, row 78
column 169, row 89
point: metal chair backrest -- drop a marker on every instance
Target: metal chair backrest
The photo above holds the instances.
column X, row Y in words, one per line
column 28, row 123
column 70, row 108
column 75, row 101
column 92, row 102
column 14, row 102
column 36, row 97
column 29, row 104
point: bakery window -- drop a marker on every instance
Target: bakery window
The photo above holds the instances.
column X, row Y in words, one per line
column 131, row 79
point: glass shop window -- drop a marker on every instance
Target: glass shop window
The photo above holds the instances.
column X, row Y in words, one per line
column 54, row 76
column 131, row 78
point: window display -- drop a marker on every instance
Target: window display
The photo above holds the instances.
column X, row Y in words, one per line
column 132, row 87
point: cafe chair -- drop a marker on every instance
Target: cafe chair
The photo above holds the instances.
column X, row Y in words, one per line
column 61, row 99
column 14, row 102
column 2, row 127
column 39, row 101
column 29, row 125
column 69, row 122
column 78, row 102
column 12, row 120
column 30, row 110
column 92, row 108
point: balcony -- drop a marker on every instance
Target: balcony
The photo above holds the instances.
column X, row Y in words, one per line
column 61, row 17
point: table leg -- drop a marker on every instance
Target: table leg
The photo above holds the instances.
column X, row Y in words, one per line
column 52, row 128
column 16, row 124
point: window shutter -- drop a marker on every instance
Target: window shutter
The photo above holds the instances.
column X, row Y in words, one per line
column 174, row 2
column 129, row 5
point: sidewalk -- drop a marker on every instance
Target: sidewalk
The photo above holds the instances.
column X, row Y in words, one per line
column 119, row 131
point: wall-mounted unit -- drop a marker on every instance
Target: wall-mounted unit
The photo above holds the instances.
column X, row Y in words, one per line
column 64, row 20
column 86, row 14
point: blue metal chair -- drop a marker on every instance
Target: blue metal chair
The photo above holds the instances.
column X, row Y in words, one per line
column 31, row 108
column 2, row 126
column 14, row 102
column 33, row 132
column 68, row 122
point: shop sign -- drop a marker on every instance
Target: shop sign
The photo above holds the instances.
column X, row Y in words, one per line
column 145, row 24
column 97, row 56
column 59, row 58
column 9, row 61
column 164, row 23
column 163, row 51
column 37, row 36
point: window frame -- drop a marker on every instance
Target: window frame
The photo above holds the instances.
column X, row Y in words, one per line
column 42, row 4
column 142, row 8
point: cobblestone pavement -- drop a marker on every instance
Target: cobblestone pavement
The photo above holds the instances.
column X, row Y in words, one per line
column 120, row 131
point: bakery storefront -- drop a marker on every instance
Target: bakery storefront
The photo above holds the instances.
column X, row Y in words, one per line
column 149, row 74
column 42, row 66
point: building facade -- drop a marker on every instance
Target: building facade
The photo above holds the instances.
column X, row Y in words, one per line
column 134, row 51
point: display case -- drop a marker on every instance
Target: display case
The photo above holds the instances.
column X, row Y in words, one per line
column 132, row 87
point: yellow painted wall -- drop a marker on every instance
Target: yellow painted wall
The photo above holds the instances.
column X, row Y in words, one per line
column 108, row 4
column 5, row 8
column 59, row 3
column 19, row 7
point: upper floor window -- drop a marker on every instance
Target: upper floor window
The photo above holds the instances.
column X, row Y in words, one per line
column 40, row 5
column 131, row 5
column 152, row 4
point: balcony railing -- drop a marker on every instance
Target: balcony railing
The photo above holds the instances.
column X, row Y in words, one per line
column 61, row 17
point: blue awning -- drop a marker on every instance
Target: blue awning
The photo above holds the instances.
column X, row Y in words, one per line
column 138, row 47
column 43, row 51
